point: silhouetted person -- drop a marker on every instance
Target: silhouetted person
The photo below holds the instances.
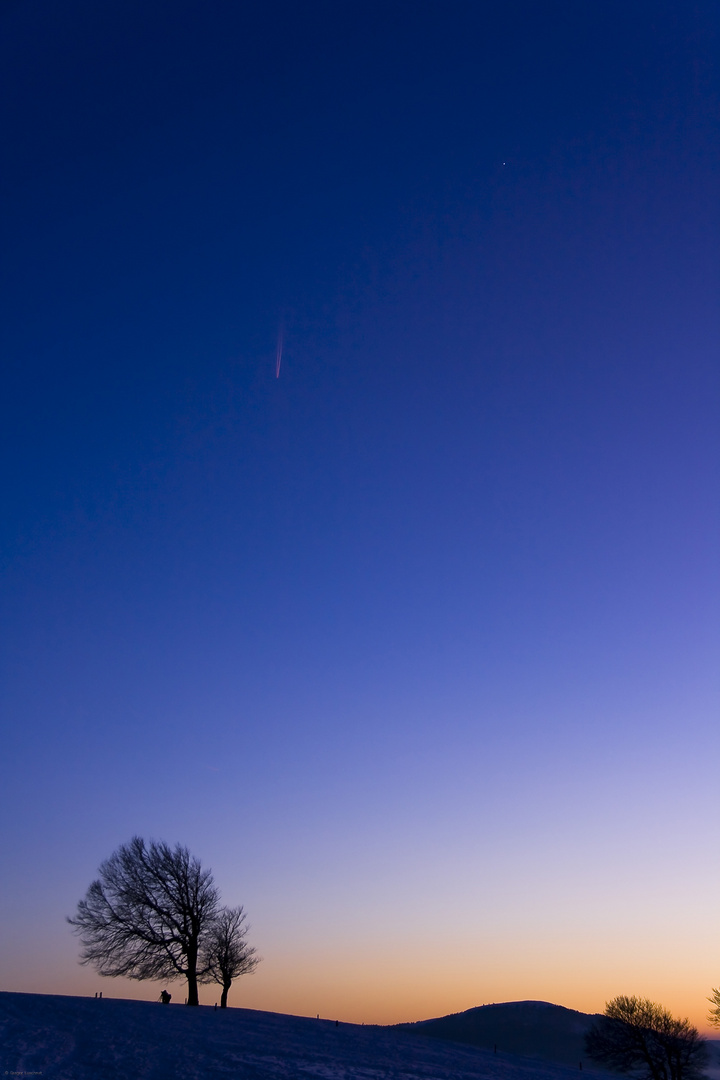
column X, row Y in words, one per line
column 165, row 997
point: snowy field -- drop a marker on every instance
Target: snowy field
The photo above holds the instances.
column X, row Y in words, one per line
column 86, row 1039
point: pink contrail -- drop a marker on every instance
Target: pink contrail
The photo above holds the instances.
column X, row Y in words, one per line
column 278, row 354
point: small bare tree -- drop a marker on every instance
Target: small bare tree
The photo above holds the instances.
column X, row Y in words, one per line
column 226, row 953
column 714, row 1014
column 638, row 1037
column 148, row 914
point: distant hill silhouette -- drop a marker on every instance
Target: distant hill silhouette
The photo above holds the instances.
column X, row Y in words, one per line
column 534, row 1029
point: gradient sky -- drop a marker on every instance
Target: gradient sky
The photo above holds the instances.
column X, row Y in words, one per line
column 417, row 644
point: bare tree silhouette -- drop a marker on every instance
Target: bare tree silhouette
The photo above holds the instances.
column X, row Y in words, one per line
column 148, row 914
column 639, row 1037
column 714, row 1014
column 226, row 953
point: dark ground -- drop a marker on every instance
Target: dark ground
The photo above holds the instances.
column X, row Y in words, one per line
column 73, row 1038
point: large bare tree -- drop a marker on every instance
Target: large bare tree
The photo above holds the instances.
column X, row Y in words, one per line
column 226, row 953
column 639, row 1037
column 148, row 914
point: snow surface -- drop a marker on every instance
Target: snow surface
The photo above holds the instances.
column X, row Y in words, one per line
column 73, row 1038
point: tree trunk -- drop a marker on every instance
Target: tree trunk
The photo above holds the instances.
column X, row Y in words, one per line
column 223, row 997
column 192, row 980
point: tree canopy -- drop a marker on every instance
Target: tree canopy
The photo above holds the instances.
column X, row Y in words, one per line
column 640, row 1037
column 227, row 954
column 148, row 914
column 714, row 1014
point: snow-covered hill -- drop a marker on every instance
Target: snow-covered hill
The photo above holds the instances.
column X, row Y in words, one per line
column 71, row 1038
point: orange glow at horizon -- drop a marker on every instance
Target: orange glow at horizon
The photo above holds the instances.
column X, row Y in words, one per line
column 390, row 985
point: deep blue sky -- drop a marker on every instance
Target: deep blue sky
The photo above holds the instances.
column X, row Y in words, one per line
column 425, row 629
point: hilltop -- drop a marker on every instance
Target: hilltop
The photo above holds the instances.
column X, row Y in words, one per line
column 529, row 1028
